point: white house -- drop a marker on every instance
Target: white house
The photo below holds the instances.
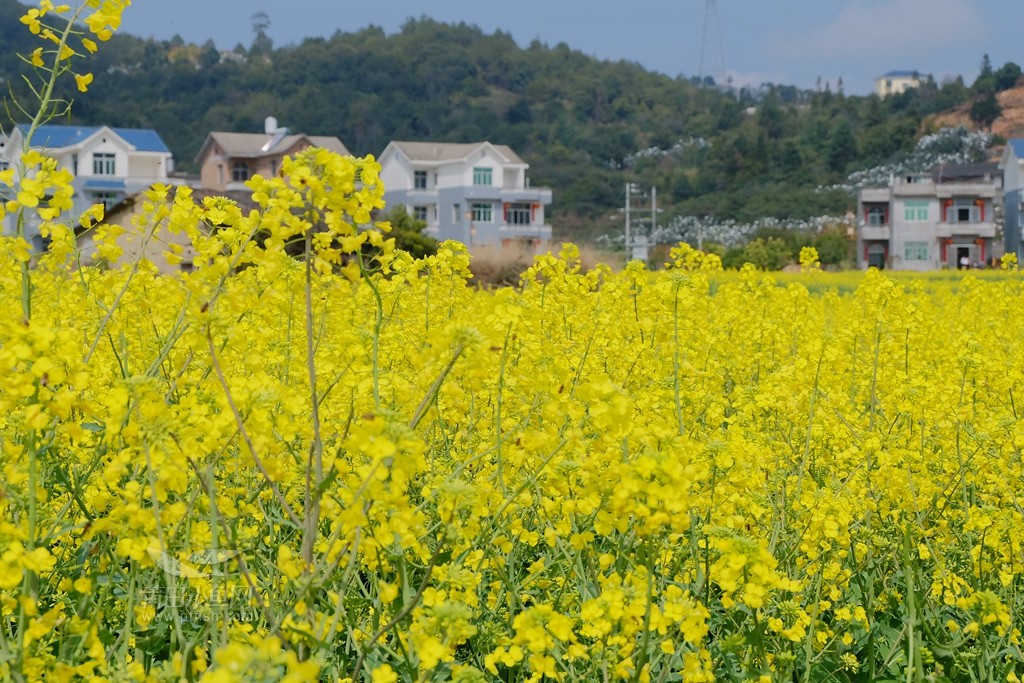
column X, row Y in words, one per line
column 476, row 193
column 108, row 163
column 1012, row 166
column 896, row 82
column 924, row 221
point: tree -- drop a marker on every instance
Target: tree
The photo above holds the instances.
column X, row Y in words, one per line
column 1007, row 76
column 834, row 246
column 261, row 44
column 842, row 147
column 986, row 109
column 767, row 253
column 408, row 232
column 986, row 81
column 209, row 56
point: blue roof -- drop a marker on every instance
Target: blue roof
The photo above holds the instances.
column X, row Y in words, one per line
column 55, row 136
column 902, row 74
column 1017, row 144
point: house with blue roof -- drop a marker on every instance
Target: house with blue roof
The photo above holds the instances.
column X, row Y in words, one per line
column 896, row 82
column 108, row 163
column 1012, row 165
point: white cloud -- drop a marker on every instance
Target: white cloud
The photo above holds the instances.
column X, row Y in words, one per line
column 887, row 30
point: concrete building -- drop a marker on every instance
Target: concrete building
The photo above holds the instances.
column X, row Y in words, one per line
column 476, row 193
column 108, row 164
column 1012, row 166
column 930, row 221
column 896, row 82
column 227, row 160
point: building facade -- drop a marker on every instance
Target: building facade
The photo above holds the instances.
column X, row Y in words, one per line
column 945, row 219
column 475, row 193
column 896, row 82
column 227, row 160
column 1012, row 166
column 108, row 164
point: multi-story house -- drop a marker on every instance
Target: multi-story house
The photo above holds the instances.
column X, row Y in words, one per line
column 1012, row 166
column 227, row 160
column 476, row 193
column 928, row 221
column 107, row 163
column 896, row 82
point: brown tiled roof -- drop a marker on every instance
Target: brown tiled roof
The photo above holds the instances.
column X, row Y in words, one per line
column 251, row 145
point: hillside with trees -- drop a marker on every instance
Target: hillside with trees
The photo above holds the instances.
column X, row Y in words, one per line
column 586, row 126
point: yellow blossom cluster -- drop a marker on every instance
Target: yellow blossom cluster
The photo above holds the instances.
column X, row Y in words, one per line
column 314, row 457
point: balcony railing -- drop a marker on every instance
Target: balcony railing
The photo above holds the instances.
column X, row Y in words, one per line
column 875, row 194
column 538, row 229
column 985, row 190
column 981, row 229
column 541, row 195
column 922, row 189
column 874, row 232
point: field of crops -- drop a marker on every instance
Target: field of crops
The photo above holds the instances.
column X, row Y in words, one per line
column 362, row 468
column 353, row 466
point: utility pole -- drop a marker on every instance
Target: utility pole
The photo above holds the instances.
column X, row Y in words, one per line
column 654, row 209
column 629, row 200
column 638, row 243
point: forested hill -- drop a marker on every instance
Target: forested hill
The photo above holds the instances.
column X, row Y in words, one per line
column 586, row 126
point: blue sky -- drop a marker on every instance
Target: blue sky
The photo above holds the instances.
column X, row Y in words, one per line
column 782, row 41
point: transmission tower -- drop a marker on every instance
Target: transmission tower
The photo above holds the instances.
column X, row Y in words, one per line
column 711, row 23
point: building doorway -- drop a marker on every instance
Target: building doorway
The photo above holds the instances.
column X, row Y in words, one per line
column 963, row 257
column 876, row 256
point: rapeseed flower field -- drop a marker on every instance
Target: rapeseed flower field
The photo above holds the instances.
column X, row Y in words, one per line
column 352, row 466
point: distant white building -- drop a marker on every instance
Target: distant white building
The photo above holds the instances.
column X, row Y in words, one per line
column 476, row 193
column 896, row 82
column 108, row 164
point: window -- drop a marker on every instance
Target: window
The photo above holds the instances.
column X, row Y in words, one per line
column 419, row 180
column 457, row 213
column 915, row 211
column 966, row 214
column 107, row 199
column 915, row 251
column 4, row 164
column 103, row 163
column 240, row 172
column 74, row 164
column 963, row 211
column 877, row 216
column 419, row 213
column 482, row 176
column 517, row 214
column 482, row 213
